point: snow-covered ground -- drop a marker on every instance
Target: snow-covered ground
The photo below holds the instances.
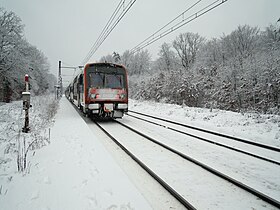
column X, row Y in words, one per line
column 74, row 170
column 253, row 126
column 256, row 173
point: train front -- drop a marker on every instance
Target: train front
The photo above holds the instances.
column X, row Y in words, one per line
column 106, row 90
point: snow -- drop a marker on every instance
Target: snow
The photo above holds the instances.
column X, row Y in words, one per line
column 82, row 169
column 73, row 172
column 253, row 126
column 258, row 174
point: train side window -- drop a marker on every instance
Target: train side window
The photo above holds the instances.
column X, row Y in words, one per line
column 81, row 83
column 81, row 79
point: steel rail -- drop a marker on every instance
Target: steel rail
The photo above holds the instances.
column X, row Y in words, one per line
column 210, row 141
column 168, row 187
column 180, row 198
column 277, row 149
column 245, row 187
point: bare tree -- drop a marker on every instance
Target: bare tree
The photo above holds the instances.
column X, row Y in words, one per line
column 241, row 43
column 116, row 57
column 167, row 58
column 271, row 37
column 126, row 58
column 138, row 63
column 187, row 46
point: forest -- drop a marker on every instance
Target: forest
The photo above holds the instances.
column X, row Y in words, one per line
column 238, row 72
column 17, row 58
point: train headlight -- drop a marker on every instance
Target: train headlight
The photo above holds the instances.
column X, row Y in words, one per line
column 92, row 96
column 122, row 96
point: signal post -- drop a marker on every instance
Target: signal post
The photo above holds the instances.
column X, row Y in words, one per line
column 26, row 104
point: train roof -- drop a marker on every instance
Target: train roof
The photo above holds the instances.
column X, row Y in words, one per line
column 104, row 64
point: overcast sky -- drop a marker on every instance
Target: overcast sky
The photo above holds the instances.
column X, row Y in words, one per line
column 66, row 29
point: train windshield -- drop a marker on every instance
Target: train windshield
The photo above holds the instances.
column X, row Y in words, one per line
column 102, row 80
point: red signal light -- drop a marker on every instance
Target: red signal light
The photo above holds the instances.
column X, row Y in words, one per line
column 26, row 78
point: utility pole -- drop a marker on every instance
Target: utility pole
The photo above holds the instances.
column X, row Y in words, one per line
column 26, row 105
column 59, row 88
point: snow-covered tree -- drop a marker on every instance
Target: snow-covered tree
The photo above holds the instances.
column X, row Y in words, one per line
column 167, row 60
column 11, row 32
column 127, row 58
column 108, row 58
column 239, row 71
column 137, row 63
column 241, row 43
column 187, row 46
column 17, row 58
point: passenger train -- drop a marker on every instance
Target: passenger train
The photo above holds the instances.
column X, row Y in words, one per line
column 100, row 90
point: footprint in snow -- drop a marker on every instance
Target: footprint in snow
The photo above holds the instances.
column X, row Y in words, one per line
column 94, row 172
column 34, row 195
column 47, row 180
column 112, row 207
column 126, row 207
column 60, row 161
column 92, row 200
column 85, row 181
column 109, row 192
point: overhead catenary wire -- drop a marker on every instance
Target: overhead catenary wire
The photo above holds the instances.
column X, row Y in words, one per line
column 113, row 21
column 109, row 27
column 156, row 36
column 167, row 24
column 68, row 67
column 65, row 64
column 104, row 30
column 117, row 21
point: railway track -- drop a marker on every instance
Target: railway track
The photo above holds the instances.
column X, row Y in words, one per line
column 266, row 148
column 172, row 191
column 187, row 158
column 267, row 201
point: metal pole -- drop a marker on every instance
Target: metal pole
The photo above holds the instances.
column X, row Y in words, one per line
column 59, row 80
column 26, row 86
column 26, row 123
column 26, row 105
